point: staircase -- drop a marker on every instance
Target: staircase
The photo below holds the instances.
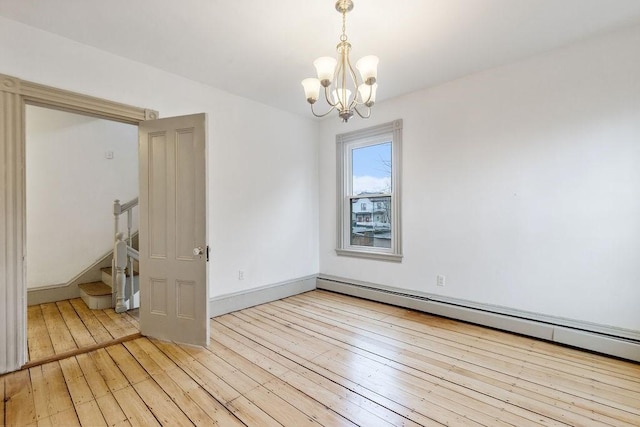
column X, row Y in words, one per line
column 123, row 293
column 100, row 295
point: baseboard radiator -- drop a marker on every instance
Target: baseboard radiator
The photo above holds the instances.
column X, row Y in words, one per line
column 616, row 342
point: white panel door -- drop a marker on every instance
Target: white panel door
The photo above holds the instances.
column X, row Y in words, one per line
column 173, row 281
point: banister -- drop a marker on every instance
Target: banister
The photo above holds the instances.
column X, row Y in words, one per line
column 123, row 254
column 120, row 263
column 133, row 253
column 119, row 208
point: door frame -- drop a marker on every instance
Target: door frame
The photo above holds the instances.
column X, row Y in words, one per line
column 15, row 94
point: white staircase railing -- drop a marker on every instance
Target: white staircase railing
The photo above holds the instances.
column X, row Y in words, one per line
column 123, row 255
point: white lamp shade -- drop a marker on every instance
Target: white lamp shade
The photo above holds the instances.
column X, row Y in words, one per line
column 311, row 88
column 368, row 93
column 337, row 97
column 325, row 67
column 368, row 67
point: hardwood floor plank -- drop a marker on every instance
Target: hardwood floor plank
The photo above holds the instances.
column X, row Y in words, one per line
column 20, row 409
column 134, row 408
column 112, row 376
column 76, row 383
column 213, row 384
column 89, row 414
column 250, row 414
column 111, row 411
column 121, row 325
column 92, row 375
column 87, row 316
column 77, row 328
column 132, row 319
column 2, row 399
column 50, row 393
column 161, row 405
column 130, row 368
column 61, row 338
column 38, row 339
column 240, row 381
column 67, row 417
column 279, row 409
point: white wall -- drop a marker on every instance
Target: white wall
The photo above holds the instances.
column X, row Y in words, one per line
column 262, row 162
column 521, row 185
column 70, row 190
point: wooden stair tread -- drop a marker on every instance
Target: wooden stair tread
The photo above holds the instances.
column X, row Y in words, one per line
column 96, row 289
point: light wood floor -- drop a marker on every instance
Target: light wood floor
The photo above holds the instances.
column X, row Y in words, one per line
column 326, row 359
column 64, row 327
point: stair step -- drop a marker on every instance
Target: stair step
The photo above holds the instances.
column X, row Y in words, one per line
column 96, row 289
column 97, row 295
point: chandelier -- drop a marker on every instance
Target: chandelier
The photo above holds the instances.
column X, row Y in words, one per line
column 343, row 91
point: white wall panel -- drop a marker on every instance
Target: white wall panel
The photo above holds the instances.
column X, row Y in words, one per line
column 521, row 186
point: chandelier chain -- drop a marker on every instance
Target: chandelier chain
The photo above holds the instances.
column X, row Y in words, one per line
column 343, row 37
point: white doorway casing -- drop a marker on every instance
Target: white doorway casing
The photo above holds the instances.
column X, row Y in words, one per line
column 14, row 95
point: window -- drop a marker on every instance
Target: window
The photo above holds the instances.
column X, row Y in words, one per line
column 369, row 166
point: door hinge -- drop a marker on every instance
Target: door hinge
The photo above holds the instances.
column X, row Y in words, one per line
column 207, row 253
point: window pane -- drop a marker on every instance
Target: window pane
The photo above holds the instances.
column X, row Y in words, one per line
column 371, row 169
column 371, row 222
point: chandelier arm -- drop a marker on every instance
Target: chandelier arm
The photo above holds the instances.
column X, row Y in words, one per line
column 326, row 97
column 335, row 84
column 323, row 115
column 360, row 114
column 354, row 79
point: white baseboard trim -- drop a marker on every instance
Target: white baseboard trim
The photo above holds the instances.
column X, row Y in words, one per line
column 52, row 294
column 604, row 339
column 228, row 303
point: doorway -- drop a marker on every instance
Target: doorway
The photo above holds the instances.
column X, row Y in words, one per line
column 76, row 165
column 15, row 94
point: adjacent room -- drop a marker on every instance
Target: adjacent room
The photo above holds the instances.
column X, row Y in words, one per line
column 439, row 226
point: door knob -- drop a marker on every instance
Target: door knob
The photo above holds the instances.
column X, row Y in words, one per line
column 198, row 251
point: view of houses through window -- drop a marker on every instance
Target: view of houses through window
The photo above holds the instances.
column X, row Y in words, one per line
column 371, row 195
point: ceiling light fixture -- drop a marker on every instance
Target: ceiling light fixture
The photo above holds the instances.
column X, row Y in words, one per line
column 348, row 92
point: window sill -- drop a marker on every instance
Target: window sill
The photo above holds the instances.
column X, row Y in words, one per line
column 381, row 256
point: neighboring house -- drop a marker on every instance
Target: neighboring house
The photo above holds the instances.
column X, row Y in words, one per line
column 371, row 225
column 371, row 210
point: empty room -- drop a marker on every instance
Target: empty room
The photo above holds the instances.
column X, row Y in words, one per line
column 320, row 212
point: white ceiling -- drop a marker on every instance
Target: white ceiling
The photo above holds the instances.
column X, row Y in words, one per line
column 262, row 49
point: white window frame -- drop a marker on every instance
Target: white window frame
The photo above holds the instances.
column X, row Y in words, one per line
column 345, row 143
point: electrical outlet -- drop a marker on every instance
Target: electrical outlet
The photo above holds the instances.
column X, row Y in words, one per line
column 108, row 155
column 441, row 280
column 240, row 275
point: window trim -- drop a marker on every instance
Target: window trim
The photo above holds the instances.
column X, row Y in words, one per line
column 344, row 144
